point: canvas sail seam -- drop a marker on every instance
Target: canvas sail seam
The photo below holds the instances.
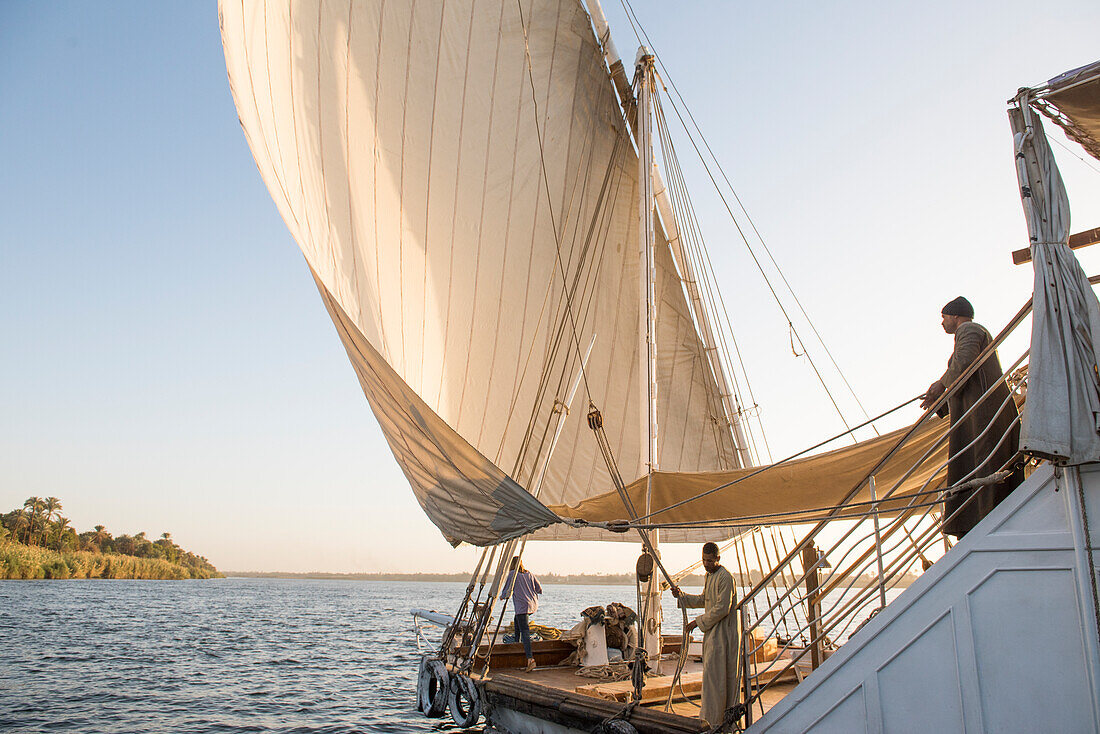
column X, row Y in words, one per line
column 569, row 290
column 562, row 323
column 352, row 229
column 365, row 129
column 238, row 101
column 512, row 510
column 520, row 456
column 428, row 181
column 481, row 220
column 455, row 208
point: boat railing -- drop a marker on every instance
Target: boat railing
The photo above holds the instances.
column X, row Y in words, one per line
column 834, row 578
column 430, row 617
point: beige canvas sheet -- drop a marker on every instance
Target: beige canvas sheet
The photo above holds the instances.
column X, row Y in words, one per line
column 796, row 486
column 467, row 497
column 459, row 178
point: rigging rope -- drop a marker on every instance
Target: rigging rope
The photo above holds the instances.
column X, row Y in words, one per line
column 595, row 422
column 546, row 187
column 690, row 234
column 640, row 33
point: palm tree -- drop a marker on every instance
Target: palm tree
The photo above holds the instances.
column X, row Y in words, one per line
column 101, row 535
column 19, row 522
column 34, row 506
column 59, row 528
column 53, row 506
column 171, row 550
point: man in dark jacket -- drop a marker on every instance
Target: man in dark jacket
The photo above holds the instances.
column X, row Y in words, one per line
column 985, row 434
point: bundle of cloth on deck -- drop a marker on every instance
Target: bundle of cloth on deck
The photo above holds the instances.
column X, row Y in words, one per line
column 538, row 632
column 620, row 630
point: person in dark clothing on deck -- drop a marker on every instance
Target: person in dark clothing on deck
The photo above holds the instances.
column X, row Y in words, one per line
column 985, row 432
column 524, row 590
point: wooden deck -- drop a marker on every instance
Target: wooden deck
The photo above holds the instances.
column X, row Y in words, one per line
column 558, row 694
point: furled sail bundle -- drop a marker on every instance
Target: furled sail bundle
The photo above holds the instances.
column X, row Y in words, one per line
column 1062, row 422
column 1072, row 101
column 460, row 180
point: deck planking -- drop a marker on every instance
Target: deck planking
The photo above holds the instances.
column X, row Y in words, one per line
column 565, row 680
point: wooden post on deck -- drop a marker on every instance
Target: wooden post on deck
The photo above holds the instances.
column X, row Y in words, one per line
column 810, row 556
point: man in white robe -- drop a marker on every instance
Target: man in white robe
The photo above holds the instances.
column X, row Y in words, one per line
column 721, row 636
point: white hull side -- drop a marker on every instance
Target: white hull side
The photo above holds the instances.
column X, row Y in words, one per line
column 508, row 721
column 1000, row 635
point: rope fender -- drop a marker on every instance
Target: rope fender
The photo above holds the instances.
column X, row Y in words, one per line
column 465, row 701
column 431, row 687
column 615, row 726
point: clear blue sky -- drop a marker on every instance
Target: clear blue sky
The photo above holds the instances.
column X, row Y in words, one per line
column 168, row 364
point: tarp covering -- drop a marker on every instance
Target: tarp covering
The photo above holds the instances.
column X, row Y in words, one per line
column 1062, row 417
column 1075, row 97
column 467, row 497
column 460, row 178
column 819, row 481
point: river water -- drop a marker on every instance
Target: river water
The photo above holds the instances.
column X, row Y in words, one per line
column 228, row 655
column 232, row 655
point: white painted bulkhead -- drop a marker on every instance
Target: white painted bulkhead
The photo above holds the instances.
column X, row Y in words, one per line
column 1000, row 635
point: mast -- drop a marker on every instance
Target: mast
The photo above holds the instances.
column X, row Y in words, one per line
column 672, row 233
column 647, row 332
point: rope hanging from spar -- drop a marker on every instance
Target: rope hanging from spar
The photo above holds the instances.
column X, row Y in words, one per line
column 449, row 632
column 568, row 291
column 709, row 308
column 557, row 222
column 595, row 422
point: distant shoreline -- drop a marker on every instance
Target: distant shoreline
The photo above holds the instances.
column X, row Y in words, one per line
column 604, row 579
column 615, row 579
column 19, row 562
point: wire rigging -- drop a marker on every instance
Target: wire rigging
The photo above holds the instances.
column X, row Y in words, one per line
column 643, row 37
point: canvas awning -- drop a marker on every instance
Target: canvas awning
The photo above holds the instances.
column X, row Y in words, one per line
column 798, row 487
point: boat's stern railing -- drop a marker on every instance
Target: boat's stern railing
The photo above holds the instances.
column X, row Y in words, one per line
column 835, row 577
column 430, row 617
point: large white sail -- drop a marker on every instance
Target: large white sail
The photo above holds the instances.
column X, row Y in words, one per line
column 462, row 185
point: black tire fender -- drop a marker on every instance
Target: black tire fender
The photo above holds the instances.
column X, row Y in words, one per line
column 432, row 685
column 465, row 701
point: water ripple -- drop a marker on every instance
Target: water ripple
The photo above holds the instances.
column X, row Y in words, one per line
column 223, row 656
